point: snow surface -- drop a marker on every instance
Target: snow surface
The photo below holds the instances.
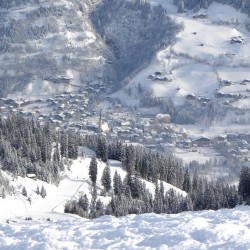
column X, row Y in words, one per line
column 223, row 229
column 51, row 229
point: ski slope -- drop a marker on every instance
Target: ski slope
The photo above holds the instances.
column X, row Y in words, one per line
column 74, row 183
column 223, row 229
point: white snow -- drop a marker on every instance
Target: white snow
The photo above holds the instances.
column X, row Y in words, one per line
column 223, row 229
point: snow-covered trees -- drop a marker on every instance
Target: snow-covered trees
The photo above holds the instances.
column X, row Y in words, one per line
column 106, row 179
column 244, row 184
column 43, row 192
column 93, row 169
column 144, row 33
column 28, row 148
column 102, row 149
column 24, row 192
column 84, row 202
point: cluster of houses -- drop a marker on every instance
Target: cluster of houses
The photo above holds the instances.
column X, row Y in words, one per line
column 203, row 101
column 237, row 40
column 160, row 76
column 234, row 146
column 61, row 110
column 75, row 111
column 226, row 97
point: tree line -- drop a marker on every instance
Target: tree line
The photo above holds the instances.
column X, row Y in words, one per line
column 130, row 195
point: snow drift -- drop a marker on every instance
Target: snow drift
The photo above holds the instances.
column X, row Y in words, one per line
column 223, row 229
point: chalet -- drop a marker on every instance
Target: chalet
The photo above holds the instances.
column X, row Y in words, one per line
column 161, row 78
column 246, row 80
column 158, row 73
column 227, row 82
column 233, row 152
column 187, row 143
column 220, row 95
column 163, row 118
column 237, row 40
column 151, row 147
column 92, row 128
column 204, row 99
column 243, row 143
column 69, row 114
column 190, row 97
column 58, row 117
column 202, row 142
column 31, row 176
column 184, row 144
column 200, row 16
column 168, row 147
column 3, row 108
column 221, row 138
column 231, row 137
column 57, row 79
column 244, row 152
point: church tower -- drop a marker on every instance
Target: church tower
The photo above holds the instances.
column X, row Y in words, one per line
column 100, row 122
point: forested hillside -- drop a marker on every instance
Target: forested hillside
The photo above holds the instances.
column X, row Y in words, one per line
column 77, row 41
column 134, row 31
column 28, row 148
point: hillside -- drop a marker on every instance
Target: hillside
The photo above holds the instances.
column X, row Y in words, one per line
column 74, row 183
column 204, row 75
column 52, row 47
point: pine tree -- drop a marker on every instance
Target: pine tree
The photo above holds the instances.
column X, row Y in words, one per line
column 43, row 192
column 102, row 149
column 187, row 182
column 117, row 184
column 92, row 207
column 72, row 148
column 84, row 202
column 24, row 192
column 158, row 200
column 99, row 208
column 106, row 179
column 37, row 190
column 93, row 170
column 244, row 184
column 3, row 195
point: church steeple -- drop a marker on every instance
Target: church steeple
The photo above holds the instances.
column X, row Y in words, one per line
column 100, row 122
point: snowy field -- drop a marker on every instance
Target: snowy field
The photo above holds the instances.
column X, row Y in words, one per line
column 223, row 229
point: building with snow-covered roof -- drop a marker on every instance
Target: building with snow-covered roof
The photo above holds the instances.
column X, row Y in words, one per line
column 202, row 142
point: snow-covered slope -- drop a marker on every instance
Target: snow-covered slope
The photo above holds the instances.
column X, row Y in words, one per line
column 223, row 229
column 44, row 41
column 204, row 56
column 51, row 47
column 74, row 183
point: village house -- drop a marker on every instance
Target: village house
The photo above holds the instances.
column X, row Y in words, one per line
column 202, row 142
